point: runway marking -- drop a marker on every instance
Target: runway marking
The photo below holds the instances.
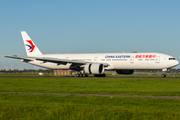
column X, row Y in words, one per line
column 76, row 94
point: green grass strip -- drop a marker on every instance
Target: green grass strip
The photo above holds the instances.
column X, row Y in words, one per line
column 53, row 107
column 126, row 86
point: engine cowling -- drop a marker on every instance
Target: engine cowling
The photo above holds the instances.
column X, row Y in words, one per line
column 94, row 68
column 125, row 71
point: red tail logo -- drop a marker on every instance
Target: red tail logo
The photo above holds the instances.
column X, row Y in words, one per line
column 31, row 46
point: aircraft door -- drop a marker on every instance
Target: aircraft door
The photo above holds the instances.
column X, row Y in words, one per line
column 158, row 59
column 132, row 59
column 95, row 59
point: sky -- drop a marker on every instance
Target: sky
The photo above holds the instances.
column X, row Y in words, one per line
column 94, row 26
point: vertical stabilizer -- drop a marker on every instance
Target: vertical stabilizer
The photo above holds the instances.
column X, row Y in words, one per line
column 30, row 47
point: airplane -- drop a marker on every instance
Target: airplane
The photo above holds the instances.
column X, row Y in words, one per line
column 95, row 63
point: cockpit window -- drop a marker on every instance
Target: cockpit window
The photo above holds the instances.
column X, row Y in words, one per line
column 172, row 59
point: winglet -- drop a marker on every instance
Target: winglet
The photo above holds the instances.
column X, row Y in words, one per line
column 30, row 47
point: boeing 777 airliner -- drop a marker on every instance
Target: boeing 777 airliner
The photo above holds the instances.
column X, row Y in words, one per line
column 96, row 64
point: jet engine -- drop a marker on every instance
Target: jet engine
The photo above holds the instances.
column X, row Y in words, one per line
column 125, row 71
column 94, row 68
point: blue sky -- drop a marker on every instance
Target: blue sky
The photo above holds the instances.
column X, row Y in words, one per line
column 94, row 26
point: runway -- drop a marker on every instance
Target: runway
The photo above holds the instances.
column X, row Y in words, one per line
column 104, row 95
column 87, row 77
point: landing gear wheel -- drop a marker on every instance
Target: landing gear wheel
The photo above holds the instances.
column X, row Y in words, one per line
column 103, row 75
column 81, row 75
column 86, row 75
column 77, row 75
column 163, row 75
column 100, row 75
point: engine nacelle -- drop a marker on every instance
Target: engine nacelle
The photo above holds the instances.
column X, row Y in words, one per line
column 125, row 71
column 94, row 68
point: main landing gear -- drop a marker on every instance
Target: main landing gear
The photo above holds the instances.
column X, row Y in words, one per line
column 81, row 75
column 100, row 75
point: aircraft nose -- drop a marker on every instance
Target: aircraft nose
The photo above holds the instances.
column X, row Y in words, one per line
column 173, row 63
column 176, row 62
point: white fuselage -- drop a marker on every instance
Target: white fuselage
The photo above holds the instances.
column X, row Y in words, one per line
column 123, row 63
column 115, row 61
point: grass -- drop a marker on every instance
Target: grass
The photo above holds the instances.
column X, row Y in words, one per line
column 22, row 106
column 144, row 75
column 124, row 86
column 49, row 107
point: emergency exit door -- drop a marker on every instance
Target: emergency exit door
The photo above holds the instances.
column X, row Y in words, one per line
column 95, row 59
column 132, row 59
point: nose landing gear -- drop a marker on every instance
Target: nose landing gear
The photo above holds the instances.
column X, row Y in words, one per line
column 164, row 71
column 163, row 75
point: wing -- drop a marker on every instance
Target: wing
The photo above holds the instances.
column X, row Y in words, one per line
column 46, row 59
column 26, row 59
column 61, row 61
column 52, row 60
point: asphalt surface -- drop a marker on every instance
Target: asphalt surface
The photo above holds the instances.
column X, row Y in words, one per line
column 86, row 77
column 75, row 94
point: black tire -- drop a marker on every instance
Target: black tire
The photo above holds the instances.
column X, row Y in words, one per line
column 103, row 75
column 163, row 75
column 100, row 75
column 77, row 75
column 81, row 75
